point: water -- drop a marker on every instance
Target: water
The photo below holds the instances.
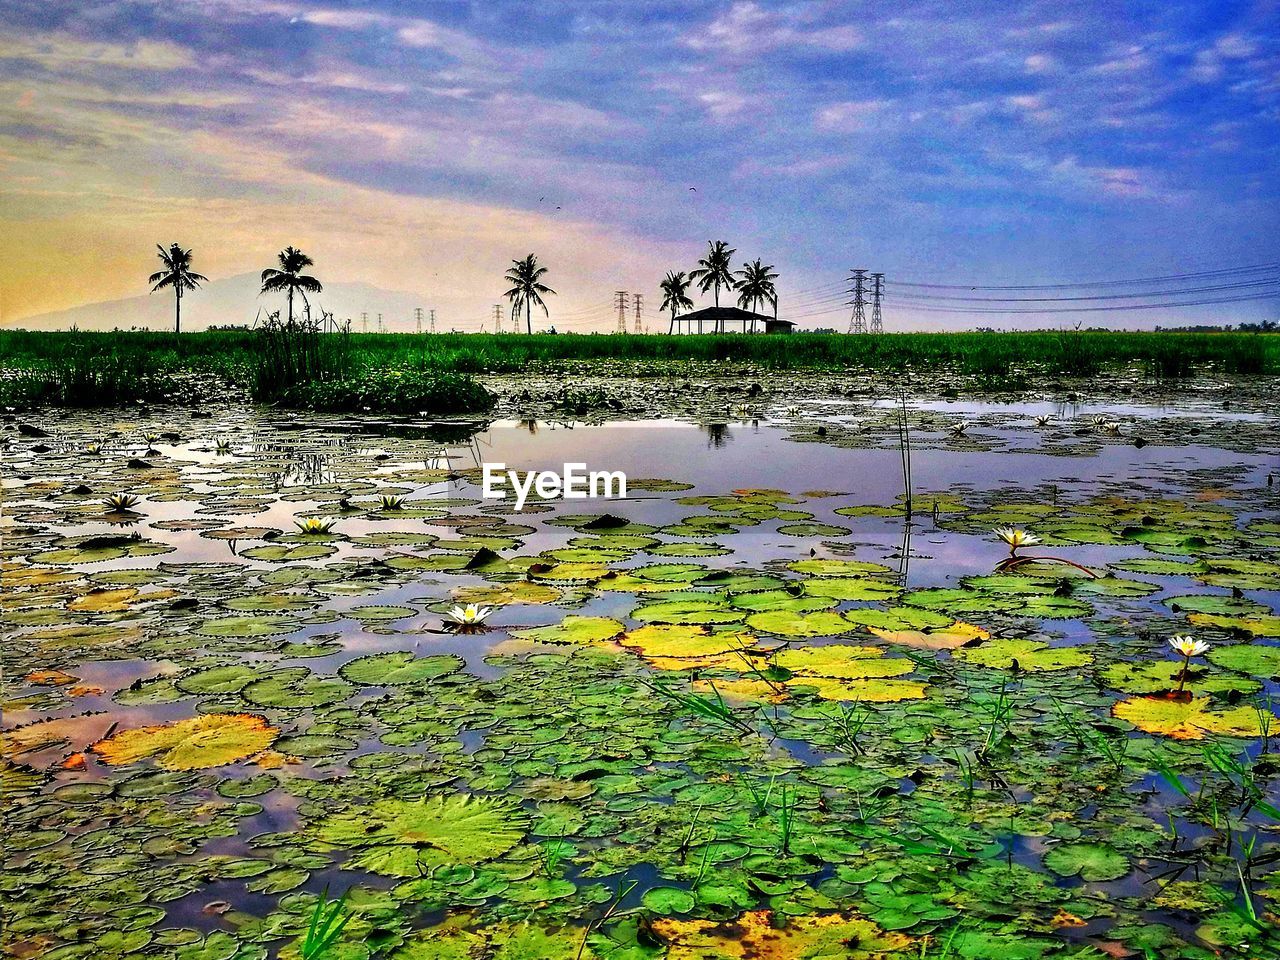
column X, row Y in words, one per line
column 594, row 779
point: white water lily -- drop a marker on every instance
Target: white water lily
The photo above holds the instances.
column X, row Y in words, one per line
column 1188, row 647
column 470, row 617
column 960, row 428
column 1016, row 538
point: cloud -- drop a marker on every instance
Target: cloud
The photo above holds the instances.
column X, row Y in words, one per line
column 748, row 29
column 849, row 116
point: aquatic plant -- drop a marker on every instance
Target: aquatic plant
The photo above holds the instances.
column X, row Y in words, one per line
column 390, row 502
column 120, row 502
column 1187, row 647
column 314, row 526
column 328, row 920
column 222, row 446
column 468, row 619
column 1016, row 538
column 93, row 449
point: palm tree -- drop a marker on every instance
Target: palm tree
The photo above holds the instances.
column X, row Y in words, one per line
column 290, row 277
column 526, row 289
column 675, row 296
column 715, row 269
column 755, row 286
column 177, row 273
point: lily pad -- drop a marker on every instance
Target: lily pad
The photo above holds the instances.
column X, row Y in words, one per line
column 211, row 740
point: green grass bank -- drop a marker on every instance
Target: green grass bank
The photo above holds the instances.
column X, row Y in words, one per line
column 410, row 372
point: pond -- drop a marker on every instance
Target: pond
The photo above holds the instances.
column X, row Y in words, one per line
column 756, row 708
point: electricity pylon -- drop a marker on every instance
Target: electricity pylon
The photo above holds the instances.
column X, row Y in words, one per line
column 639, row 302
column 877, row 286
column 620, row 301
column 417, row 316
column 858, row 322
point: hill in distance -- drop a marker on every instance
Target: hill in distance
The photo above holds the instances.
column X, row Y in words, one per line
column 234, row 301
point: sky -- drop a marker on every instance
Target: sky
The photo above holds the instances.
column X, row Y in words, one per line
column 421, row 146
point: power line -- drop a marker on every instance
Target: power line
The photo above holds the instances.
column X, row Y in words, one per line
column 1243, row 298
column 1189, row 291
column 1170, row 278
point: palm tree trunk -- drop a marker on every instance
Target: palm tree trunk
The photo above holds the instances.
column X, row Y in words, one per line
column 672, row 327
column 291, row 306
column 177, row 309
column 528, row 318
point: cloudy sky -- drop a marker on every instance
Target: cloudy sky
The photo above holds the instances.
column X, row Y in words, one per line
column 421, row 146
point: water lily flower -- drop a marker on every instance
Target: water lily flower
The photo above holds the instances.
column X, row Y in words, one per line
column 958, row 429
column 1043, row 421
column 314, row 526
column 1016, row 538
column 1187, row 647
column 467, row 619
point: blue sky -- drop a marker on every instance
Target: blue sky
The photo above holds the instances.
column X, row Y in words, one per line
column 421, row 146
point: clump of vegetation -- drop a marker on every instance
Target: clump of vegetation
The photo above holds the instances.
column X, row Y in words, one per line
column 395, row 391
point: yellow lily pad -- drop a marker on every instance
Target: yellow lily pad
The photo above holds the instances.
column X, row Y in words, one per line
column 753, row 935
column 1187, row 719
column 210, row 740
column 843, row 662
column 946, row 638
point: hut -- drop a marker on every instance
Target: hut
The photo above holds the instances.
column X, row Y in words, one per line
column 728, row 320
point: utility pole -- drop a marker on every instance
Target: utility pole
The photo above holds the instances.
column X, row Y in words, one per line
column 620, row 301
column 364, row 322
column 417, row 316
column 639, row 302
column 858, row 322
column 497, row 318
column 877, row 321
column 433, row 321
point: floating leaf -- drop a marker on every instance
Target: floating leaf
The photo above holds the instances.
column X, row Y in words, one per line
column 1029, row 655
column 785, row 623
column 1188, row 719
column 1092, row 862
column 391, row 669
column 464, row 829
column 573, row 629
column 211, row 740
column 754, row 936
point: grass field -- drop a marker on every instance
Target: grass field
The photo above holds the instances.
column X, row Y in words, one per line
column 78, row 368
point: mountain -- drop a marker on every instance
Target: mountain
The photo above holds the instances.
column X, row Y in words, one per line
column 234, row 301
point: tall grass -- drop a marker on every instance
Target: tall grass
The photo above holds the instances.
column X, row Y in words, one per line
column 106, row 368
